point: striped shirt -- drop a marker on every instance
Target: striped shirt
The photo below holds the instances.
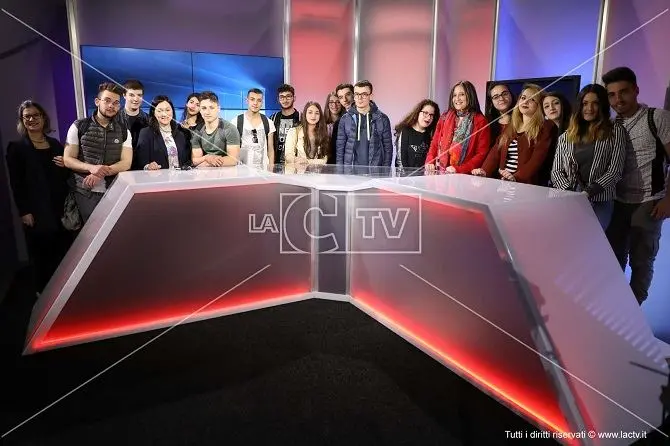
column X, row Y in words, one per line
column 635, row 186
column 606, row 168
column 512, row 161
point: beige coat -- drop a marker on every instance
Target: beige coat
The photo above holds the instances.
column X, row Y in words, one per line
column 294, row 148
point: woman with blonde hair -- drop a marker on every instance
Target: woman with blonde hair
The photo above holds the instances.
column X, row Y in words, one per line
column 308, row 142
column 521, row 150
column 590, row 155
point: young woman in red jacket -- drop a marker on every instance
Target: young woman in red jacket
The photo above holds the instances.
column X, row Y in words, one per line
column 462, row 137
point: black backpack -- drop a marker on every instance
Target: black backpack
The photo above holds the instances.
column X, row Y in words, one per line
column 658, row 164
column 266, row 125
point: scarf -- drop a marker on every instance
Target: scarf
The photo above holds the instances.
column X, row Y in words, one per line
column 457, row 138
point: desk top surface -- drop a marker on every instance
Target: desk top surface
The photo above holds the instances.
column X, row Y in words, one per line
column 350, row 178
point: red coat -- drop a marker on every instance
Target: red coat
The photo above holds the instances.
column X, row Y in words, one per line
column 478, row 145
column 532, row 155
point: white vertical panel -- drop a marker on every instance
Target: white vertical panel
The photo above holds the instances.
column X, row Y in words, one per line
column 395, row 52
column 464, row 46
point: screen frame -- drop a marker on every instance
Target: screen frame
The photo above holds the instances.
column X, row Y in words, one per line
column 88, row 107
column 575, row 79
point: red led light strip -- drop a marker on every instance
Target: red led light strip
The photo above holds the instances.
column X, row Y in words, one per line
column 534, row 413
column 144, row 325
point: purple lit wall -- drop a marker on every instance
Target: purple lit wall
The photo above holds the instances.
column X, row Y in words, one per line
column 548, row 38
column 464, row 46
column 394, row 52
column 252, row 27
column 32, row 68
column 645, row 51
column 321, row 47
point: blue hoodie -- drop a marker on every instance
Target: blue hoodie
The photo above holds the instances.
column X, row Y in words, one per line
column 378, row 136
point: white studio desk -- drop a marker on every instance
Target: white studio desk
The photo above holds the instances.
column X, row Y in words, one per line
column 513, row 287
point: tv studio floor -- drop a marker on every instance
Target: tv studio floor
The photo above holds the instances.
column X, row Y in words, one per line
column 313, row 373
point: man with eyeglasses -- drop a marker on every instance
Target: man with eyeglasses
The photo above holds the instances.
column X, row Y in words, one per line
column 364, row 133
column 97, row 149
column 284, row 120
column 256, row 133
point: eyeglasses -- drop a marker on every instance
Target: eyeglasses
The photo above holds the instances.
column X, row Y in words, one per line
column 35, row 116
column 427, row 114
column 254, row 134
column 108, row 101
column 504, row 94
column 283, row 97
column 362, row 95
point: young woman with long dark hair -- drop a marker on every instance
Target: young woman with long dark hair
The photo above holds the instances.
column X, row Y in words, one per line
column 499, row 110
column 191, row 118
column 462, row 137
column 332, row 111
column 414, row 134
column 557, row 109
column 590, row 155
column 308, row 142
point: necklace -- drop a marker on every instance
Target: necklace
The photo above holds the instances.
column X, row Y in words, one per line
column 38, row 140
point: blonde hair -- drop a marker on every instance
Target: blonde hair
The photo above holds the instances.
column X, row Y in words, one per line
column 536, row 122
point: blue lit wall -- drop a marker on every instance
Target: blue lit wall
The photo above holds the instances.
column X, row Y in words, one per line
column 546, row 38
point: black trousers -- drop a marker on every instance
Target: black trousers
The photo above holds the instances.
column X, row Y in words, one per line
column 46, row 250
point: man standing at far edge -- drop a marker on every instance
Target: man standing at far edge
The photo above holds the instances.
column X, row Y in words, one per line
column 364, row 132
column 642, row 201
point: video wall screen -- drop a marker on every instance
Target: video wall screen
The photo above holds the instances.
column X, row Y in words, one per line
column 567, row 85
column 180, row 73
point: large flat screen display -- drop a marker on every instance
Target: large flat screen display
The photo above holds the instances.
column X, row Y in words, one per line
column 180, row 73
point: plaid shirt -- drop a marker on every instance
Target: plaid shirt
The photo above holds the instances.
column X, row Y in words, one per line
column 635, row 185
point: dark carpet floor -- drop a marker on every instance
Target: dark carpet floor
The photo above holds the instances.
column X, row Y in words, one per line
column 309, row 373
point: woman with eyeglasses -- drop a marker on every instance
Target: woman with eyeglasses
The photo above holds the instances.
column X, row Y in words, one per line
column 499, row 110
column 590, row 155
column 521, row 150
column 308, row 143
column 462, row 136
column 414, row 134
column 333, row 110
column 38, row 179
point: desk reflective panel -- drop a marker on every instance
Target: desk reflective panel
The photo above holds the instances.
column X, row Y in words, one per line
column 513, row 287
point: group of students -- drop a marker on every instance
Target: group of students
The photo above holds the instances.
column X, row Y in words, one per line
column 618, row 164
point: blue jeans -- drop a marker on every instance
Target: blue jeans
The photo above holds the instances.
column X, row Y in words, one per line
column 603, row 210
